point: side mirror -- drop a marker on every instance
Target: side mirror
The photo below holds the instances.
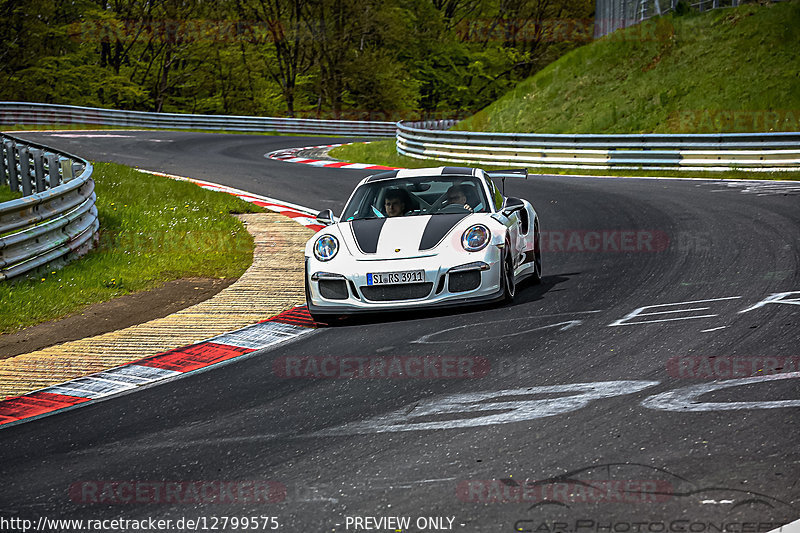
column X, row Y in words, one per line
column 512, row 205
column 326, row 217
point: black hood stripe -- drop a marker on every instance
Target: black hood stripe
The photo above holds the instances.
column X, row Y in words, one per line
column 438, row 226
column 366, row 233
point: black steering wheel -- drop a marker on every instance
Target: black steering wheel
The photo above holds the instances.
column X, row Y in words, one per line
column 454, row 208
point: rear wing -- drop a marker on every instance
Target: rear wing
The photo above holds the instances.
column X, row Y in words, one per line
column 508, row 173
column 516, row 173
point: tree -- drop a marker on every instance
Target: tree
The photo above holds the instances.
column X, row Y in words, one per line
column 289, row 40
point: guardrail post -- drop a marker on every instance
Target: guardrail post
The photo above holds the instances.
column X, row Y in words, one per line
column 3, row 177
column 25, row 171
column 52, row 167
column 11, row 158
column 38, row 170
column 66, row 169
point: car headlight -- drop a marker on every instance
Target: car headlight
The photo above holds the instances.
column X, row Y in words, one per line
column 326, row 247
column 475, row 238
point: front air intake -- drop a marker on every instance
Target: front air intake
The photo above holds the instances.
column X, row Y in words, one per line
column 333, row 289
column 464, row 281
column 391, row 293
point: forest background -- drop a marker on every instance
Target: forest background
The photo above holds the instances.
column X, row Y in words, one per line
column 350, row 59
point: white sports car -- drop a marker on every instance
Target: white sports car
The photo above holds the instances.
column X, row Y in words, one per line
column 422, row 238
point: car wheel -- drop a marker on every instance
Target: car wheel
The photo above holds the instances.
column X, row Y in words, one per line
column 536, row 277
column 507, row 274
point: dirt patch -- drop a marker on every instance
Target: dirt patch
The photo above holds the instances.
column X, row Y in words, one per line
column 115, row 314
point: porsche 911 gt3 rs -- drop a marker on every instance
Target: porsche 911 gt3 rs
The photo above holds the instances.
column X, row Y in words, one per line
column 422, row 238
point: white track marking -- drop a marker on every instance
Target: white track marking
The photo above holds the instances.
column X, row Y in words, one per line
column 764, row 187
column 663, row 320
column 793, row 527
column 712, row 329
column 92, row 136
column 625, row 321
column 425, row 338
column 500, row 404
column 687, row 399
column 775, row 298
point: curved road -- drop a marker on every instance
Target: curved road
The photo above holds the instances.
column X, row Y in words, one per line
column 590, row 406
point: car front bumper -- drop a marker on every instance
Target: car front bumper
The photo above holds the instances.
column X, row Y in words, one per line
column 341, row 287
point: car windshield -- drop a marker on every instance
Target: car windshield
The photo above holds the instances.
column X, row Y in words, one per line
column 425, row 195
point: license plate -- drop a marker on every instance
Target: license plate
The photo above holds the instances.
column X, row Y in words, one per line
column 392, row 278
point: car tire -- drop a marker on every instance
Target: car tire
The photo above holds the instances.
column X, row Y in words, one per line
column 536, row 277
column 507, row 274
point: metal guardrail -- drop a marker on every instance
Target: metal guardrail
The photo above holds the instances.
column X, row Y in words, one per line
column 12, row 113
column 713, row 152
column 56, row 219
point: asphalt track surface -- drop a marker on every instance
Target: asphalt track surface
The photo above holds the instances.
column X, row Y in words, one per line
column 423, row 447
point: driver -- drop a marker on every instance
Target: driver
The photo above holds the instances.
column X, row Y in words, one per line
column 394, row 203
column 456, row 195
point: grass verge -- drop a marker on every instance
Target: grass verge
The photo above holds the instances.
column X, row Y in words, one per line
column 153, row 230
column 6, row 194
column 384, row 153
